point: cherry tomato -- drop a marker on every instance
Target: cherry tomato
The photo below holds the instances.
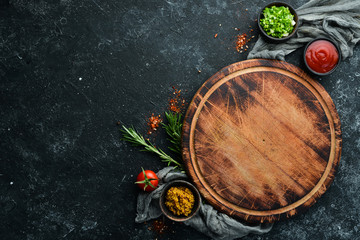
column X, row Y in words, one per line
column 147, row 180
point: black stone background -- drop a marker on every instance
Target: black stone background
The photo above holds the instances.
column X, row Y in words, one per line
column 71, row 69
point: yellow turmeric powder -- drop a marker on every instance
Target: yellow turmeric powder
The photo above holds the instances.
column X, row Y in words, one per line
column 180, row 200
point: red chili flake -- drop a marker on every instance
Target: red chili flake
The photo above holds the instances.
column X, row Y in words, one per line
column 216, row 35
column 177, row 103
column 153, row 123
column 159, row 226
column 241, row 41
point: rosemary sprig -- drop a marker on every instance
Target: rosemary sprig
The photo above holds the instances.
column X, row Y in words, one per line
column 132, row 136
column 173, row 128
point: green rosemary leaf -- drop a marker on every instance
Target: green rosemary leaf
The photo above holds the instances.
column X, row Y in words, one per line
column 132, row 136
column 173, row 129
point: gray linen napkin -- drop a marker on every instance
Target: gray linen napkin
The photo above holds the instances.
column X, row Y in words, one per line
column 208, row 221
column 335, row 19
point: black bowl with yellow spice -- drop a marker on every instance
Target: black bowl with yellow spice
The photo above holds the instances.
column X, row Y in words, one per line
column 180, row 200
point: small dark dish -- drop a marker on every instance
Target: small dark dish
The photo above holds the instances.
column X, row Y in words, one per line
column 167, row 212
column 334, row 45
column 272, row 39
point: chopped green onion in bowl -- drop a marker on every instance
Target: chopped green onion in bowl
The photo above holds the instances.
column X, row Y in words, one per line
column 277, row 21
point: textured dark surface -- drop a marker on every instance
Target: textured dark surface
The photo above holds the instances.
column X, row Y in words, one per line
column 70, row 69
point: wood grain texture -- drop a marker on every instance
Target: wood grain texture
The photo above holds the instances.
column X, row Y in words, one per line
column 261, row 140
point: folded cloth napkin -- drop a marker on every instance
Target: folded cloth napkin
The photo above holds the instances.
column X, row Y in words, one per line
column 208, row 221
column 335, row 19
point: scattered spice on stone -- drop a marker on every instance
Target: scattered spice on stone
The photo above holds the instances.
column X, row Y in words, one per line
column 240, row 42
column 159, row 226
column 242, row 39
column 180, row 200
column 176, row 103
column 153, row 123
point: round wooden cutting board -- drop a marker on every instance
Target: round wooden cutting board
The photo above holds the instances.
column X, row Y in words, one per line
column 261, row 140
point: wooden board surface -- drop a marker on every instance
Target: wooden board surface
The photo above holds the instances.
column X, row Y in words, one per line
column 261, row 140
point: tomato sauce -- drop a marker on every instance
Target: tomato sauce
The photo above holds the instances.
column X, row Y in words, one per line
column 321, row 56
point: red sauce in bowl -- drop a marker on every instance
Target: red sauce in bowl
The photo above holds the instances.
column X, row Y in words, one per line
column 321, row 56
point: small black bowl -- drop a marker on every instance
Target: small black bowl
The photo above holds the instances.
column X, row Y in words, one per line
column 274, row 39
column 333, row 43
column 167, row 212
